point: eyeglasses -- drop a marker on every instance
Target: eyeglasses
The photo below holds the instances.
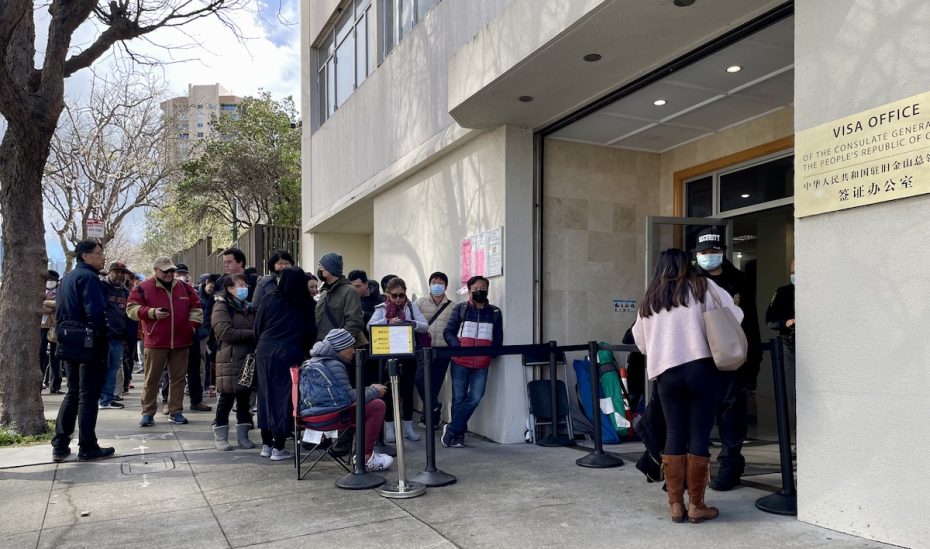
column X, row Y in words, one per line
column 398, row 296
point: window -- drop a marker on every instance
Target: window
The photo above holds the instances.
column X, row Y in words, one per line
column 398, row 17
column 345, row 56
column 183, row 135
column 228, row 107
column 199, row 124
column 759, row 183
column 199, row 134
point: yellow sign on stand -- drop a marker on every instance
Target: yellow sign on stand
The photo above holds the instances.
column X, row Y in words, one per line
column 874, row 156
column 392, row 340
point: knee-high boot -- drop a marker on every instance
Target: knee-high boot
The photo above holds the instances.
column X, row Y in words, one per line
column 675, row 469
column 698, row 476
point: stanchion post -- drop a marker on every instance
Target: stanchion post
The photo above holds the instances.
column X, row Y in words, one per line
column 402, row 488
column 360, row 478
column 430, row 476
column 380, row 446
column 785, row 501
column 554, row 439
column 598, row 458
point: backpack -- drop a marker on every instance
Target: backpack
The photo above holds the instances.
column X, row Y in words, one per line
column 317, row 389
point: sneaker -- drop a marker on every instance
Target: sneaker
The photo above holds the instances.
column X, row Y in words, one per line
column 280, row 455
column 459, row 442
column 56, row 392
column 99, row 453
column 111, row 406
column 146, row 421
column 118, row 398
column 266, row 451
column 379, row 462
column 178, row 419
column 447, row 437
column 60, row 455
column 201, row 407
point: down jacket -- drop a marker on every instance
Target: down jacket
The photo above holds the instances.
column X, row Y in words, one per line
column 234, row 329
column 324, row 383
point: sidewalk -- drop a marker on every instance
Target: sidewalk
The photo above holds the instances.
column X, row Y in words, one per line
column 168, row 485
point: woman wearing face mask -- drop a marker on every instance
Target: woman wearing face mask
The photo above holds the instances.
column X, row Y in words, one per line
column 395, row 310
column 233, row 322
column 436, row 308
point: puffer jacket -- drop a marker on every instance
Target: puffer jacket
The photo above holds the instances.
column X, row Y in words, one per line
column 235, row 333
column 470, row 326
column 324, row 383
column 183, row 304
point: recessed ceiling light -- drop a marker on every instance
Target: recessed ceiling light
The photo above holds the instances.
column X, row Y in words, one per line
column 744, row 195
column 525, row 98
column 734, row 68
column 658, row 102
column 592, row 57
column 683, row 3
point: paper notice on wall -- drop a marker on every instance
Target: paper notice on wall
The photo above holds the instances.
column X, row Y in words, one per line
column 467, row 256
column 481, row 253
column 495, row 253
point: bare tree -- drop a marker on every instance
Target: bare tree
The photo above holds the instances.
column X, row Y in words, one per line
column 32, row 100
column 108, row 157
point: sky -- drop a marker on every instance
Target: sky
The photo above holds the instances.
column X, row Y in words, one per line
column 266, row 57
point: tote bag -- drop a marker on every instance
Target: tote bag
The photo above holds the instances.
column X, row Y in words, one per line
column 725, row 336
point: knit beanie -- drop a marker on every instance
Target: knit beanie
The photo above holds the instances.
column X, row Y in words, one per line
column 332, row 262
column 340, row 339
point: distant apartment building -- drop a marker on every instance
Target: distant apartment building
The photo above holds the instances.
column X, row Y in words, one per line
column 190, row 116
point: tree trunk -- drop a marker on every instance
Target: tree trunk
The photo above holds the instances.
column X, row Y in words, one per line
column 22, row 158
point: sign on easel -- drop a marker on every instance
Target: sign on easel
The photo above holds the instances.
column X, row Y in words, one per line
column 392, row 340
column 94, row 228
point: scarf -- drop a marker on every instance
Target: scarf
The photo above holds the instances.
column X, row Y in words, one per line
column 394, row 311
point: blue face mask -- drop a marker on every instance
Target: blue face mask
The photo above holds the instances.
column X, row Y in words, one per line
column 437, row 289
column 709, row 262
column 794, row 278
column 242, row 293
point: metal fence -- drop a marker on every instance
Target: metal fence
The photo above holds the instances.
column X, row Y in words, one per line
column 257, row 244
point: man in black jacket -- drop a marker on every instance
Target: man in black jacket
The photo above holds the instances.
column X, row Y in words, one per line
column 116, row 293
column 734, row 387
column 80, row 304
column 780, row 317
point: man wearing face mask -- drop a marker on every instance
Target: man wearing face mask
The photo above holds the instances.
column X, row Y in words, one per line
column 339, row 305
column 780, row 317
column 734, row 386
column 436, row 308
column 48, row 361
column 475, row 323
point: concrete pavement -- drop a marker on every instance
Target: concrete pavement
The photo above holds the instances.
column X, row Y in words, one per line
column 168, row 485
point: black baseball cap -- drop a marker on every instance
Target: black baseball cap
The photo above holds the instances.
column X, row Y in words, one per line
column 710, row 238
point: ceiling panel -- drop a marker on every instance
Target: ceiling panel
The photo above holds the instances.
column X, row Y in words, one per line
column 726, row 112
column 599, row 128
column 661, row 138
column 774, row 89
column 677, row 99
column 756, row 60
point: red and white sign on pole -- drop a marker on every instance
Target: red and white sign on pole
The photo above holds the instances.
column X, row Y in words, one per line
column 94, row 228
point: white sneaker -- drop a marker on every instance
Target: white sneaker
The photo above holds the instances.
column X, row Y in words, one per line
column 281, row 455
column 266, row 451
column 379, row 462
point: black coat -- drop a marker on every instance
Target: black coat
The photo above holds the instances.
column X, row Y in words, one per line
column 738, row 285
column 81, row 298
column 285, row 333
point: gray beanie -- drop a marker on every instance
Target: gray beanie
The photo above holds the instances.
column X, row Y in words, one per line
column 340, row 339
column 332, row 262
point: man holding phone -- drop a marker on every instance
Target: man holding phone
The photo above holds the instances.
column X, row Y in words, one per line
column 169, row 312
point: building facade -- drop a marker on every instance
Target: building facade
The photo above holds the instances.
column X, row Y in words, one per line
column 594, row 133
column 190, row 117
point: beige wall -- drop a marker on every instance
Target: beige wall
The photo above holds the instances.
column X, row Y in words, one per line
column 595, row 202
column 355, row 250
column 751, row 134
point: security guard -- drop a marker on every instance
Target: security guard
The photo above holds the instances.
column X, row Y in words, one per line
column 734, row 386
column 780, row 317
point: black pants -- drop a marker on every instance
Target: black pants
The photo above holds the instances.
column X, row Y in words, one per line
column 408, row 371
column 731, row 421
column 275, row 440
column 689, row 400
column 48, row 359
column 129, row 360
column 225, row 403
column 437, row 372
column 80, row 404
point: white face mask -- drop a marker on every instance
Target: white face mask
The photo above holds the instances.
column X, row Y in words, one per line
column 794, row 278
column 709, row 262
column 51, row 285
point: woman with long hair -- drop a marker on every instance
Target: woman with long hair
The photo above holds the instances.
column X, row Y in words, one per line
column 285, row 329
column 670, row 331
column 233, row 322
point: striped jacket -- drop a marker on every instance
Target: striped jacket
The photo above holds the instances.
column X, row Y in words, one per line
column 470, row 326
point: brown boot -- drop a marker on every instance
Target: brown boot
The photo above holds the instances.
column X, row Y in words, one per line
column 674, row 468
column 698, row 476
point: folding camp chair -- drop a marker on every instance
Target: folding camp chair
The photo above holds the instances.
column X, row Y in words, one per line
column 539, row 396
column 339, row 420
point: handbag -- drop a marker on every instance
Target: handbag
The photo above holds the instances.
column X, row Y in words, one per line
column 725, row 336
column 247, row 377
column 75, row 341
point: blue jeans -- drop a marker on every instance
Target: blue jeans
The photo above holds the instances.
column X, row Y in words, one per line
column 468, row 386
column 114, row 363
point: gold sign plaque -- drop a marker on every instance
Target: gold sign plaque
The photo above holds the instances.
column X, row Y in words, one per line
column 874, row 156
column 391, row 340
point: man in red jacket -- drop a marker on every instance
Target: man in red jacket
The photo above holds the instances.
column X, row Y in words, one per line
column 169, row 312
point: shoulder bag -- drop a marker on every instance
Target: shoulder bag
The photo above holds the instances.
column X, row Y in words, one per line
column 247, row 377
column 725, row 336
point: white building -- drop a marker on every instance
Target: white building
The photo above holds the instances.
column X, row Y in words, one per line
column 191, row 114
column 581, row 128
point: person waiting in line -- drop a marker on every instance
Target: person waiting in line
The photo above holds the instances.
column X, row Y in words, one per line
column 368, row 292
column 475, row 323
column 279, row 260
column 732, row 414
column 233, row 322
column 325, row 388
column 436, row 308
column 313, row 286
column 117, row 294
column 194, row 374
column 338, row 305
column 130, row 347
column 384, row 282
column 399, row 310
column 48, row 359
column 285, row 331
column 205, row 289
column 670, row 331
column 780, row 317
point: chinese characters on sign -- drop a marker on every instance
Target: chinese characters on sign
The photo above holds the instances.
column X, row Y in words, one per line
column 874, row 156
column 482, row 254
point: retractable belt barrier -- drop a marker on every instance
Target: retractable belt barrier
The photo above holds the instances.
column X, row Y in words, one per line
column 785, row 501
